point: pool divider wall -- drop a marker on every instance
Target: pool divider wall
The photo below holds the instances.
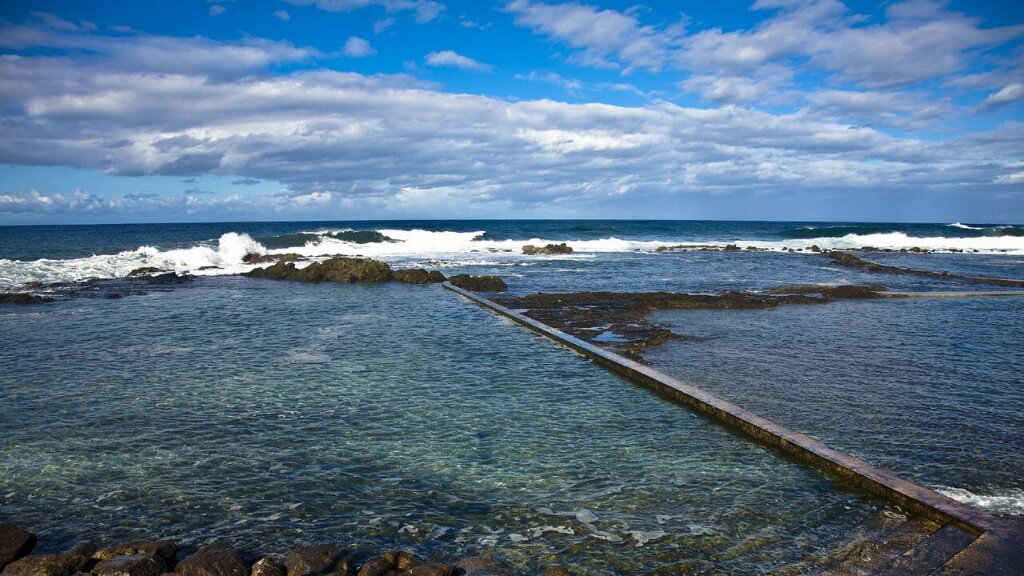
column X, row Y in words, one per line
column 994, row 546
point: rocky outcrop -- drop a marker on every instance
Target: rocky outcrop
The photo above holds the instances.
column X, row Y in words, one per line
column 562, row 248
column 320, row 559
column 418, row 276
column 851, row 261
column 268, row 258
column 23, row 298
column 479, row 283
column 14, row 543
column 338, row 269
column 216, row 559
column 131, row 565
column 46, row 565
column 144, row 271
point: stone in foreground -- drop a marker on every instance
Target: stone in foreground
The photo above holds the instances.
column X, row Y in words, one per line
column 131, row 565
column 14, row 543
column 479, row 283
column 46, row 565
column 418, row 276
column 217, row 559
column 319, row 559
column 165, row 549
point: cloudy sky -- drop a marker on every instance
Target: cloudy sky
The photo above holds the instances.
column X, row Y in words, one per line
column 197, row 110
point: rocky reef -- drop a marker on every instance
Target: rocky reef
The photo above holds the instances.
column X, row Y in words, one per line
column 852, row 261
column 619, row 320
column 563, row 248
column 479, row 283
column 345, row 269
column 161, row 557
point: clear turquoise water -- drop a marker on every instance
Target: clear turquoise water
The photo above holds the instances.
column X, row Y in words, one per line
column 272, row 413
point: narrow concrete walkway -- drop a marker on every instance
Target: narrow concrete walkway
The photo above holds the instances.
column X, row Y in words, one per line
column 968, row 542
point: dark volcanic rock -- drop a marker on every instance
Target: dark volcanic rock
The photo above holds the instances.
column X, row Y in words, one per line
column 338, row 269
column 852, row 261
column 131, row 565
column 165, row 549
column 267, row 566
column 84, row 549
column 213, row 560
column 23, row 298
column 390, row 563
column 432, row 570
column 144, row 271
column 479, row 283
column 418, row 276
column 484, row 565
column 46, row 565
column 319, row 559
column 562, row 248
column 14, row 543
column 268, row 258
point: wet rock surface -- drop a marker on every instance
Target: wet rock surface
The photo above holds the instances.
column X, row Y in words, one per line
column 46, row 565
column 346, row 270
column 853, row 261
column 531, row 250
column 216, row 559
column 418, row 276
column 479, row 283
column 131, row 565
column 23, row 298
column 618, row 320
column 14, row 543
column 320, row 559
column 165, row 549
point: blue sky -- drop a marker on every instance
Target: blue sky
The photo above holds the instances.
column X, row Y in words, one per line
column 359, row 109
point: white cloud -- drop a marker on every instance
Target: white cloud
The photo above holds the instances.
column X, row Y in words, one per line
column 571, row 87
column 425, row 10
column 217, row 10
column 1006, row 95
column 356, row 47
column 282, row 15
column 455, row 60
column 382, row 25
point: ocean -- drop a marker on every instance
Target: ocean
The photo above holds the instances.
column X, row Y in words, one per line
column 266, row 413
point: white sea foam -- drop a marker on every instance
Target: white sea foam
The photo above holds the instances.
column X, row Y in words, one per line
column 963, row 226
column 1007, row 501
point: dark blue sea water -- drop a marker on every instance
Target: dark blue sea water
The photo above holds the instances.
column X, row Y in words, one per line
column 267, row 413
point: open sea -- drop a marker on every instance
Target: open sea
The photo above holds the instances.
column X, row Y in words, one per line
column 267, row 413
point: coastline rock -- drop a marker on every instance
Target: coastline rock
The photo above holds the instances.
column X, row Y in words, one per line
column 562, row 248
column 479, row 283
column 485, row 565
column 14, row 543
column 144, row 271
column 84, row 549
column 267, row 258
column 418, row 276
column 131, row 565
column 319, row 559
column 23, row 298
column 46, row 565
column 337, row 269
column 432, row 570
column 217, row 559
column 167, row 550
column 266, row 566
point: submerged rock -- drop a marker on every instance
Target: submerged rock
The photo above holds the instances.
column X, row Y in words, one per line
column 144, row 271
column 23, row 298
column 216, row 559
column 320, row 559
column 46, row 565
column 479, row 283
column 14, row 543
column 131, row 565
column 418, row 276
column 562, row 248
column 851, row 261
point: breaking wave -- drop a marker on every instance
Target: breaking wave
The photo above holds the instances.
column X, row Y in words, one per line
column 413, row 247
column 1009, row 502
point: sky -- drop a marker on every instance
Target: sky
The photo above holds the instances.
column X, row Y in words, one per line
column 198, row 110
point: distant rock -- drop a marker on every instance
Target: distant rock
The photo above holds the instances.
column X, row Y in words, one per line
column 479, row 283
column 23, row 298
column 216, row 559
column 320, row 559
column 46, row 565
column 562, row 248
column 337, row 269
column 268, row 258
column 144, row 271
column 14, row 543
column 418, row 276
column 131, row 565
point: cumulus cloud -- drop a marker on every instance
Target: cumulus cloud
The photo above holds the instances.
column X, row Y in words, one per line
column 350, row 141
column 282, row 15
column 453, row 59
column 356, row 47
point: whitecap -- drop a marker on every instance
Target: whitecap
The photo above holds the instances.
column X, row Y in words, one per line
column 1004, row 501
